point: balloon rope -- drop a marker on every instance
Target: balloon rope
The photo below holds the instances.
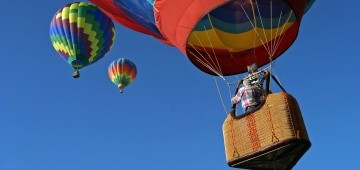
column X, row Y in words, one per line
column 221, row 98
column 254, row 27
column 277, row 30
column 205, row 64
column 213, row 28
column 212, row 47
column 254, row 34
column 281, row 32
column 274, row 45
column 277, row 78
column 203, row 60
column 268, row 49
column 212, row 62
column 215, row 67
column 278, row 40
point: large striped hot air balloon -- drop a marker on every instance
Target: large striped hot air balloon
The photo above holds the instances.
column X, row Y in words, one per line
column 122, row 72
column 223, row 38
column 82, row 34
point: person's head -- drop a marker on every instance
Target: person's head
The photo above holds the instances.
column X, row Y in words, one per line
column 252, row 68
column 246, row 82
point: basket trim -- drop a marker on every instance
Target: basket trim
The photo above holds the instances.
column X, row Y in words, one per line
column 307, row 144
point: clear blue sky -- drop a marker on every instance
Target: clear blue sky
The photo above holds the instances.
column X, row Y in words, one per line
column 171, row 116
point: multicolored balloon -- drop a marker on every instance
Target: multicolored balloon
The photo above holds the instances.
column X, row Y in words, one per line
column 137, row 15
column 223, row 37
column 122, row 72
column 82, row 34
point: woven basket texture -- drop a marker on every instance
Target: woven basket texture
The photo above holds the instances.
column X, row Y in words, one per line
column 278, row 119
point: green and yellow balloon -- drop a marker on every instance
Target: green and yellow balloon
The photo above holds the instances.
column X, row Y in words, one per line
column 81, row 34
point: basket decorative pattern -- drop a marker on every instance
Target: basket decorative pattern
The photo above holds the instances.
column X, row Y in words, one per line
column 276, row 126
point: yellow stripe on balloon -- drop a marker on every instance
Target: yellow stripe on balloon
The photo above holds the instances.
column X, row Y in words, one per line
column 63, row 48
column 64, row 13
column 83, row 4
column 92, row 38
column 95, row 47
column 217, row 39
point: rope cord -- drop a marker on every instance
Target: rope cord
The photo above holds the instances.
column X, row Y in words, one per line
column 278, row 39
column 262, row 25
column 277, row 28
column 254, row 36
column 211, row 43
column 205, row 64
column 282, row 29
column 212, row 64
column 275, row 75
column 215, row 67
column 253, row 26
column 212, row 26
column 221, row 98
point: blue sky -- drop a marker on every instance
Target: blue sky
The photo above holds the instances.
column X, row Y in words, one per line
column 171, row 116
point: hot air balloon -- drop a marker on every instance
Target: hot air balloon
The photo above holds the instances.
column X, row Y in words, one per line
column 225, row 37
column 82, row 34
column 137, row 15
column 122, row 72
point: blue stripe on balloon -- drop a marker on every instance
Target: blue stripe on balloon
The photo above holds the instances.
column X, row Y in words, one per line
column 236, row 12
column 141, row 11
column 266, row 23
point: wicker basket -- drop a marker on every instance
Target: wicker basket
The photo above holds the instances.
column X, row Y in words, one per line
column 272, row 137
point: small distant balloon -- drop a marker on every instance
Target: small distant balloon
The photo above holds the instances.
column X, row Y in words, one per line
column 122, row 72
column 82, row 34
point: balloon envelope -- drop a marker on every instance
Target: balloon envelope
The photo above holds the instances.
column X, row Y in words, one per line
column 137, row 15
column 81, row 33
column 223, row 37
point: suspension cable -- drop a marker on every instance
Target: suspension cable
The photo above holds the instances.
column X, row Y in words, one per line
column 211, row 63
column 203, row 61
column 205, row 64
column 253, row 26
column 282, row 31
column 212, row 26
column 277, row 29
column 275, row 75
column 221, row 98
